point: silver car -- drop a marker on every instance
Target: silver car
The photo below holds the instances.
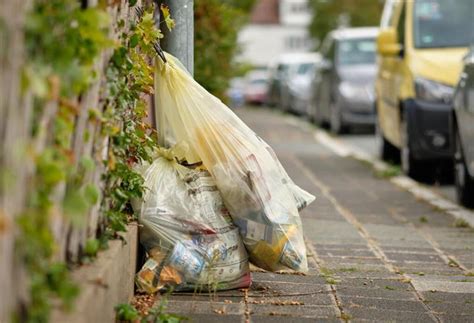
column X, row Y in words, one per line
column 344, row 97
column 463, row 133
column 281, row 73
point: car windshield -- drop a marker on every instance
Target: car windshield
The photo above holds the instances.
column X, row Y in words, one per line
column 258, row 81
column 304, row 68
column 443, row 23
column 356, row 51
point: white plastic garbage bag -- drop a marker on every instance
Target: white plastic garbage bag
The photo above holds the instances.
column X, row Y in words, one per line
column 188, row 233
column 261, row 198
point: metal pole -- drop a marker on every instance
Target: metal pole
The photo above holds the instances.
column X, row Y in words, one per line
column 180, row 41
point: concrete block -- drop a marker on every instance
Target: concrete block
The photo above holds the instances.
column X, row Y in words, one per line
column 108, row 281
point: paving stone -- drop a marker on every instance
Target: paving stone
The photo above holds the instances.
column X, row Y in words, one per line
column 410, row 250
column 299, row 311
column 290, row 319
column 196, row 307
column 279, row 289
column 443, row 286
column 352, row 260
column 215, row 298
column 449, row 297
column 455, row 318
column 344, row 252
column 337, row 267
column 359, row 314
column 451, row 278
column 339, row 246
column 414, row 257
column 312, row 278
column 213, row 318
column 343, row 290
column 389, row 284
column 381, row 303
column 310, row 299
column 368, row 274
column 453, row 308
column 432, row 269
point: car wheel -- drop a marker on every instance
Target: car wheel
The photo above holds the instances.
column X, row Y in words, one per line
column 388, row 152
column 416, row 169
column 310, row 112
column 336, row 124
column 463, row 181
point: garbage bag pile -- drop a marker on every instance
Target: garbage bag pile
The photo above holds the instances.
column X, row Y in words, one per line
column 187, row 232
column 189, row 246
column 262, row 200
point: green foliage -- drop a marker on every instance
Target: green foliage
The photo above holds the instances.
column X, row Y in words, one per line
column 170, row 23
column 126, row 312
column 92, row 247
column 327, row 14
column 130, row 78
column 216, row 26
column 460, row 223
column 63, row 41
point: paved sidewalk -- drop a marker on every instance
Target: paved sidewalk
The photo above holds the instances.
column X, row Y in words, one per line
column 375, row 252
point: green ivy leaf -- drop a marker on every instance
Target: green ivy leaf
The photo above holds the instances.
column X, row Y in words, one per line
column 58, row 280
column 131, row 3
column 134, row 40
column 91, row 194
column 92, row 247
column 87, row 163
column 126, row 312
column 170, row 23
column 75, row 205
column 119, row 56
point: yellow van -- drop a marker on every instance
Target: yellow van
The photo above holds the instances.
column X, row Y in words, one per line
column 421, row 44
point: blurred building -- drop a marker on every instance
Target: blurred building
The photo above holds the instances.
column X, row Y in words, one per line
column 276, row 27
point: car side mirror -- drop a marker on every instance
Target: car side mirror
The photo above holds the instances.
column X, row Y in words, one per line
column 387, row 44
column 326, row 65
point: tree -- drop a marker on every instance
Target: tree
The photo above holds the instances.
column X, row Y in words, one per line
column 329, row 14
column 216, row 25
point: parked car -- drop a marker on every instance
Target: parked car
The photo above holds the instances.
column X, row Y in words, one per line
column 235, row 92
column 300, row 85
column 421, row 44
column 345, row 95
column 256, row 87
column 281, row 72
column 463, row 133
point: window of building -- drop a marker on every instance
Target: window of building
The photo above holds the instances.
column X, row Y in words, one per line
column 298, row 7
column 295, row 42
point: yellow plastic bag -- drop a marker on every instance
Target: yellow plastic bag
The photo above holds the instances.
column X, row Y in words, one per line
column 261, row 198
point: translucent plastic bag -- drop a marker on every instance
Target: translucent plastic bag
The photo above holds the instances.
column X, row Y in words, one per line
column 187, row 232
column 261, row 198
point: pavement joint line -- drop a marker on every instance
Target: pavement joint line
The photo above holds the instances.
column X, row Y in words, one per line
column 423, row 193
column 334, row 297
column 247, row 312
column 371, row 243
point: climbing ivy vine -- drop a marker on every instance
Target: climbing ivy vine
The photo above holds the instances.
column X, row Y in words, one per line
column 63, row 41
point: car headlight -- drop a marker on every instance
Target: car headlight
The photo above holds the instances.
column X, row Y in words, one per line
column 433, row 91
column 348, row 90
